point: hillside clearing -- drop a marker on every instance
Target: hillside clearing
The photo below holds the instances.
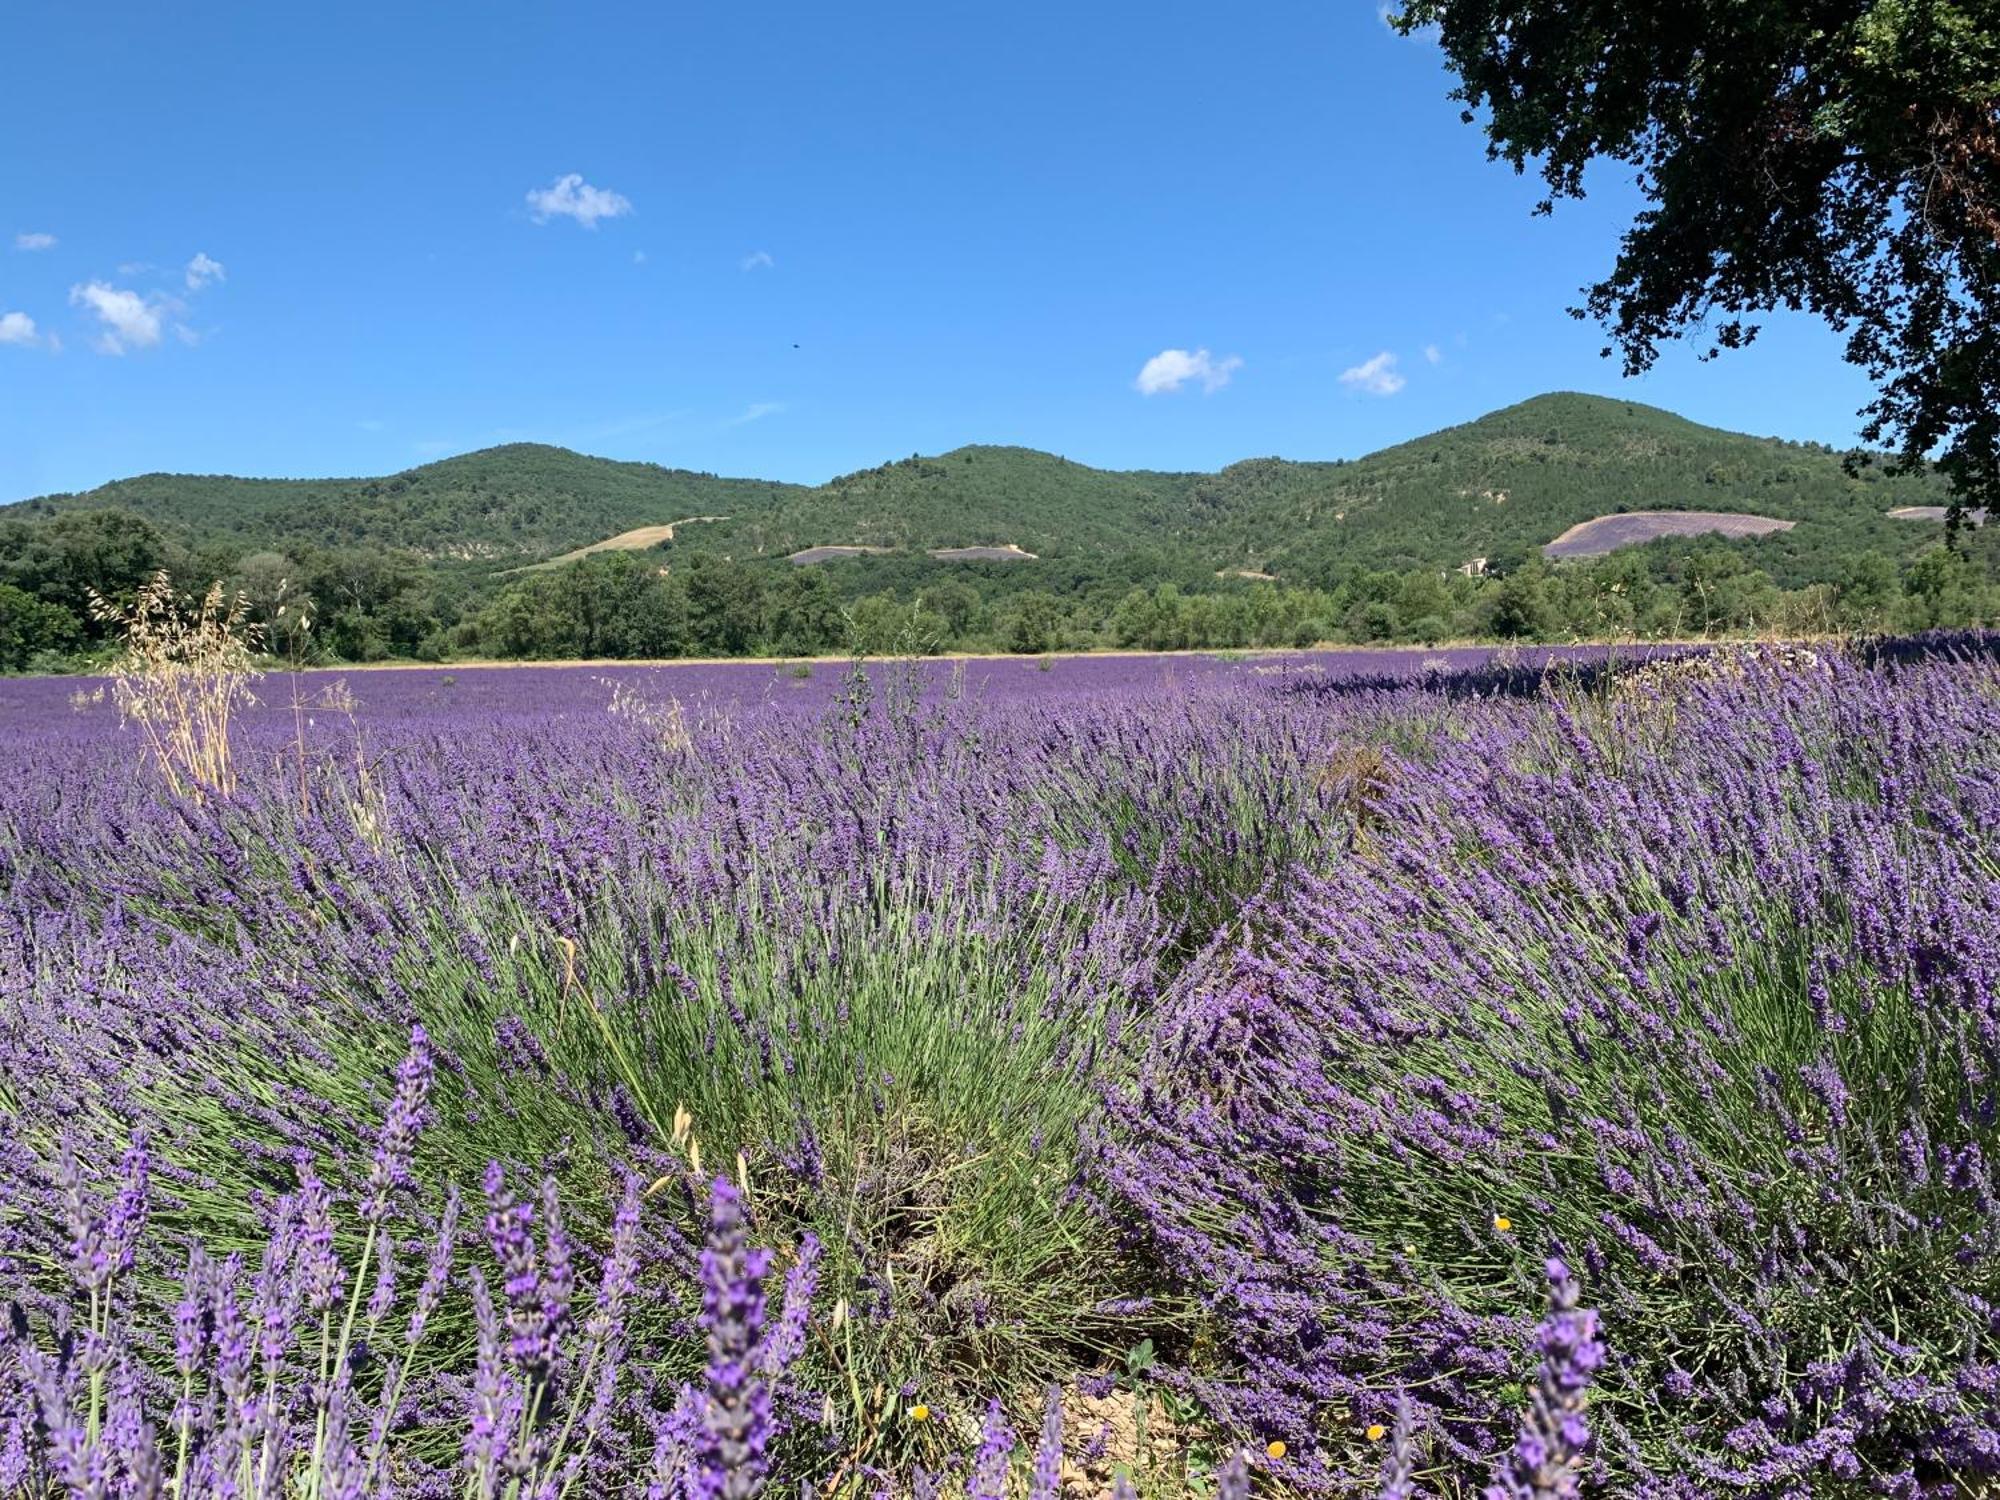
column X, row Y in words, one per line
column 1602, row 534
column 638, row 539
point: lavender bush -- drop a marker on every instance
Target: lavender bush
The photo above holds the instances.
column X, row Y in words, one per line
column 1694, row 989
column 362, row 1125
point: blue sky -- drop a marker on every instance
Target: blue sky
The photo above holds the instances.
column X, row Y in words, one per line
column 780, row 239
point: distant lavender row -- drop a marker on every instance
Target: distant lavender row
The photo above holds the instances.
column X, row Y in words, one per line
column 43, row 706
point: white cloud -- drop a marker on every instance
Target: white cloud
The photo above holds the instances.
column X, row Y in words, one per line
column 756, row 411
column 202, row 270
column 1171, row 369
column 1434, row 354
column 758, row 260
column 130, row 320
column 34, row 242
column 571, row 197
column 17, row 328
column 1378, row 376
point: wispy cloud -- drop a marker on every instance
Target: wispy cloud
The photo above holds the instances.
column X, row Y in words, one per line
column 1171, row 369
column 758, row 260
column 756, row 411
column 202, row 270
column 1378, row 376
column 638, row 257
column 34, row 242
column 18, row 328
column 130, row 320
column 1433, row 354
column 570, row 197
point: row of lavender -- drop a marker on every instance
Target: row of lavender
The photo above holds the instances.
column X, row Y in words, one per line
column 871, row 946
column 1282, row 1035
column 1695, row 982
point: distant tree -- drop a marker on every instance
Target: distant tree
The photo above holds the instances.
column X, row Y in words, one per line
column 882, row 625
column 725, row 605
column 1942, row 589
column 1422, row 595
column 958, row 603
column 1033, row 623
column 1373, row 621
column 805, row 616
column 32, row 628
column 1832, row 155
column 1521, row 607
column 266, row 580
column 1867, row 591
column 64, row 560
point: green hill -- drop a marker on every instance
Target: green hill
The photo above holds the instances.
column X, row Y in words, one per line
column 969, row 497
column 521, row 501
column 533, row 550
column 1499, row 486
column 1520, row 477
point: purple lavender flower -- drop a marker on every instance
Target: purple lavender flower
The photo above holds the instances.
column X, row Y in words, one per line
column 737, row 1418
column 1545, row 1461
column 320, row 1272
column 489, row 1437
column 102, row 1247
column 990, row 1463
column 128, row 1210
column 191, row 1315
column 1399, row 1468
column 1046, row 1481
column 1232, row 1477
column 397, row 1143
column 677, row 1434
column 558, row 1284
column 437, row 1267
column 787, row 1340
column 510, row 1233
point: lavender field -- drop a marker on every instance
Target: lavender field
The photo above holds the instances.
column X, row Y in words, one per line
column 1381, row 1074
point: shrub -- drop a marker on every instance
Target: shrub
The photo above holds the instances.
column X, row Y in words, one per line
column 1714, row 1019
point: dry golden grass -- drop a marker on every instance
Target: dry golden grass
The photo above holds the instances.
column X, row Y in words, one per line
column 181, row 677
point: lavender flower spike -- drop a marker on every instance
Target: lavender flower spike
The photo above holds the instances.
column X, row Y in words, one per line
column 737, row 1419
column 1546, row 1457
column 398, row 1140
column 1400, row 1468
column 1232, row 1477
column 989, row 1464
column 787, row 1341
column 1046, row 1481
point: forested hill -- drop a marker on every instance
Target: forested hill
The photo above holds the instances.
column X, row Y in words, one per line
column 531, row 551
column 1499, row 486
column 504, row 505
column 1517, row 478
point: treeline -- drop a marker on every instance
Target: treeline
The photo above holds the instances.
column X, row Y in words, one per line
column 370, row 604
column 365, row 603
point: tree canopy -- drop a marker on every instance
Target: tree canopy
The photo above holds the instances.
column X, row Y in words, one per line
column 1836, row 156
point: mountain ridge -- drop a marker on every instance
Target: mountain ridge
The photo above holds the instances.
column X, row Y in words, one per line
column 1510, row 480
